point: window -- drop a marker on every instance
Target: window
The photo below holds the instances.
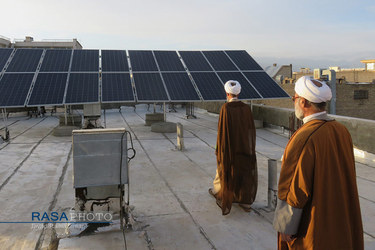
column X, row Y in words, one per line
column 360, row 94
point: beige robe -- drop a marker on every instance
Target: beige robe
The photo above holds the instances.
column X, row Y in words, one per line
column 318, row 197
column 235, row 154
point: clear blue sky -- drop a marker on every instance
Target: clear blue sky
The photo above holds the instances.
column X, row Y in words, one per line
column 304, row 33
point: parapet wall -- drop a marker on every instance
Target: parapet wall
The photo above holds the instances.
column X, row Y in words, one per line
column 361, row 130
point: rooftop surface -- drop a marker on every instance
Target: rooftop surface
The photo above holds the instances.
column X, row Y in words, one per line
column 168, row 188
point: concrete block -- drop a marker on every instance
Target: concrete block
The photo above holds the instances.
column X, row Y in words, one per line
column 153, row 118
column 164, row 127
column 258, row 123
column 73, row 120
column 64, row 130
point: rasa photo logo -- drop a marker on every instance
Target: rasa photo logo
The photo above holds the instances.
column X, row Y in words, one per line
column 71, row 217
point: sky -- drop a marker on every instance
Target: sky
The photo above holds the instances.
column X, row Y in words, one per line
column 303, row 33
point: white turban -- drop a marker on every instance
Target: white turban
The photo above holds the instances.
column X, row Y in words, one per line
column 314, row 92
column 232, row 87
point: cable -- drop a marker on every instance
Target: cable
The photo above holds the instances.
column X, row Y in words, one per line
column 122, row 191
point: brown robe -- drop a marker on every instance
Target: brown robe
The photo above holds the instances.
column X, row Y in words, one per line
column 318, row 177
column 235, row 155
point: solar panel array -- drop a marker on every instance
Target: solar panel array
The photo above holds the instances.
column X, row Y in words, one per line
column 36, row 77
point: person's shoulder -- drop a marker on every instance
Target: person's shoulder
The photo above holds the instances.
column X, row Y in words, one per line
column 308, row 129
column 338, row 126
column 324, row 129
column 224, row 108
column 236, row 104
column 225, row 105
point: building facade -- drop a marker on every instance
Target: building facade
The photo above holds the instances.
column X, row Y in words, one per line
column 355, row 91
column 29, row 42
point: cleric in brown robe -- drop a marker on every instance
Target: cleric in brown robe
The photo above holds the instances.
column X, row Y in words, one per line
column 236, row 176
column 318, row 204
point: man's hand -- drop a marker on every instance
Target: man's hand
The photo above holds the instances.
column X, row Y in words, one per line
column 286, row 237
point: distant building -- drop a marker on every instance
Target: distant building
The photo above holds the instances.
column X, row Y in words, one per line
column 370, row 64
column 355, row 90
column 279, row 73
column 4, row 42
column 29, row 42
column 335, row 68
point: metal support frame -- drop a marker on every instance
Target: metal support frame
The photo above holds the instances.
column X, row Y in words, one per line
column 6, row 136
column 66, row 116
column 171, row 107
column 105, row 119
column 190, row 110
column 165, row 114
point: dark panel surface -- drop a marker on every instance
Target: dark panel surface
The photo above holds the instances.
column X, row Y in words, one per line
column 168, row 61
column 49, row 89
column 82, row 88
column 116, row 87
column 85, row 60
column 142, row 60
column 15, row 88
column 149, row 87
column 179, row 86
column 56, row 60
column 243, row 60
column 266, row 86
column 209, row 85
column 247, row 91
column 114, row 60
column 25, row 60
column 195, row 61
column 219, row 61
column 4, row 55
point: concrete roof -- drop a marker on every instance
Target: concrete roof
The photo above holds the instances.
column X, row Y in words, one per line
column 168, row 188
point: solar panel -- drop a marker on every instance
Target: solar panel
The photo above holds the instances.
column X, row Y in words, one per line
column 158, row 76
column 266, row 86
column 83, row 88
column 14, row 89
column 4, row 55
column 219, row 61
column 209, row 85
column 168, row 61
column 114, row 61
column 85, row 61
column 56, row 60
column 243, row 60
column 25, row 60
column 48, row 89
column 142, row 60
column 149, row 87
column 180, row 87
column 116, row 87
column 247, row 91
column 195, row 61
